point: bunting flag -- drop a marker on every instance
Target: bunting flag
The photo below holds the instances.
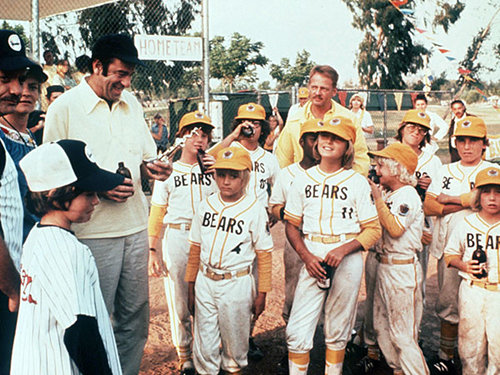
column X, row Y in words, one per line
column 398, row 97
column 463, row 71
column 398, row 3
column 469, row 78
column 413, row 96
column 437, row 45
column 442, row 50
column 407, row 11
column 421, row 31
column 450, row 58
column 481, row 92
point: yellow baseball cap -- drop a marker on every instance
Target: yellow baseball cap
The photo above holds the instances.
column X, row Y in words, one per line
column 471, row 126
column 340, row 126
column 251, row 111
column 310, row 126
column 401, row 153
column 195, row 117
column 303, row 93
column 416, row 116
column 233, row 158
column 488, row 176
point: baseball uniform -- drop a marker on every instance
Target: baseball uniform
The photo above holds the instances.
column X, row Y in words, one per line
column 332, row 209
column 397, row 303
column 59, row 282
column 179, row 195
column 292, row 261
column 454, row 179
column 229, row 235
column 264, row 173
column 479, row 299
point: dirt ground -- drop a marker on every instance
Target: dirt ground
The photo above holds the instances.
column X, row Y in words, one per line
column 160, row 357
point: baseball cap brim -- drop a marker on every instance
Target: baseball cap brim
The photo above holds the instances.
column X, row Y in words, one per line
column 130, row 60
column 99, row 180
column 11, row 63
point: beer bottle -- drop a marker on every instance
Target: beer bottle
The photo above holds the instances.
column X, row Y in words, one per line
column 123, row 170
column 480, row 256
column 326, row 283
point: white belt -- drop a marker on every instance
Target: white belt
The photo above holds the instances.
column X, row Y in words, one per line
column 216, row 274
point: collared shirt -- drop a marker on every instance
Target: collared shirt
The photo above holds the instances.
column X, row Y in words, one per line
column 114, row 135
column 288, row 150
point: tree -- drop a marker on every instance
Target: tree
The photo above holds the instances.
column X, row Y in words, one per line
column 388, row 52
column 288, row 75
column 236, row 62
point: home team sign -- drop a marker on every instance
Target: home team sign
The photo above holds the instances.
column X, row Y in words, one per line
column 163, row 47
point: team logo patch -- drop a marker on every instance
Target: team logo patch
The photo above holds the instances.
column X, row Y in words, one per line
column 227, row 155
column 421, row 115
column 198, row 115
column 466, row 124
column 250, row 108
column 89, row 155
column 15, row 42
column 335, row 121
column 404, row 209
column 320, row 123
column 492, row 173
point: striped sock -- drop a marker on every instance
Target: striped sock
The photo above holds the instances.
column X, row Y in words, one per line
column 333, row 361
column 449, row 333
column 298, row 363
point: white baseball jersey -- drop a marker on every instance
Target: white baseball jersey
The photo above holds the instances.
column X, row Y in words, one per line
column 59, row 281
column 454, row 179
column 281, row 188
column 182, row 191
column 230, row 233
column 428, row 165
column 331, row 204
column 465, row 238
column 11, row 209
column 265, row 170
column 406, row 206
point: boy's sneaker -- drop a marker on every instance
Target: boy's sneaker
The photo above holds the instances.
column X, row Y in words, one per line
column 187, row 368
column 366, row 366
column 440, row 366
column 254, row 352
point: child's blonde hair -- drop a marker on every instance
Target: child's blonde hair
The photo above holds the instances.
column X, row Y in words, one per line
column 476, row 196
column 399, row 170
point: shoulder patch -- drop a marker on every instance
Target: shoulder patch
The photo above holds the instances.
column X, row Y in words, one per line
column 404, row 209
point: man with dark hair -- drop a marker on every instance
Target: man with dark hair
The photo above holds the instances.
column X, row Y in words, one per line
column 53, row 92
column 159, row 132
column 13, row 63
column 111, row 121
column 322, row 87
column 439, row 127
column 459, row 110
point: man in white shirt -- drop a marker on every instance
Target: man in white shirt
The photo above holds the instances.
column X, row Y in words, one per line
column 439, row 128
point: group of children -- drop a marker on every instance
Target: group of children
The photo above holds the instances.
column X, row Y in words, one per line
column 209, row 236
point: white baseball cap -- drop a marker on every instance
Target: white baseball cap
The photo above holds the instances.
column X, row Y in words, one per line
column 57, row 164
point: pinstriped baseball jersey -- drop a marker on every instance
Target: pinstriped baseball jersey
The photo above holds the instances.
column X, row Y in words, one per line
column 469, row 233
column 230, row 233
column 265, row 169
column 455, row 179
column 284, row 181
column 186, row 186
column 406, row 206
column 59, row 281
column 11, row 209
column 428, row 165
column 331, row 204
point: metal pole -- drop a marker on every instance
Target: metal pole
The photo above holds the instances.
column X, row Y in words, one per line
column 206, row 59
column 35, row 30
column 385, row 119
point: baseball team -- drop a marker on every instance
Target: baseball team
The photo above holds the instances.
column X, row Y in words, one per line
column 74, row 295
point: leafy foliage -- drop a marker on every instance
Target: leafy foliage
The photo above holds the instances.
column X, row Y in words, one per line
column 288, row 75
column 236, row 61
column 448, row 15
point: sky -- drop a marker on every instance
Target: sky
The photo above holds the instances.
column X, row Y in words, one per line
column 323, row 28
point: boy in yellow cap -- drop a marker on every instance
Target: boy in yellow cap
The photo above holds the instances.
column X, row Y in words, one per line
column 328, row 221
column 473, row 250
column 397, row 302
column 303, row 97
column 449, row 199
column 230, row 229
column 173, row 205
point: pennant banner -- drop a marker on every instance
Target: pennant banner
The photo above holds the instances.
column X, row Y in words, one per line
column 398, row 97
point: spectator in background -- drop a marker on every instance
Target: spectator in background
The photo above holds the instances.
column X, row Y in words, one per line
column 18, row 139
column 63, row 77
column 439, row 128
column 53, row 92
column 275, row 126
column 459, row 110
column 303, row 98
column 83, row 65
column 49, row 67
column 357, row 106
column 159, row 132
column 13, row 63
